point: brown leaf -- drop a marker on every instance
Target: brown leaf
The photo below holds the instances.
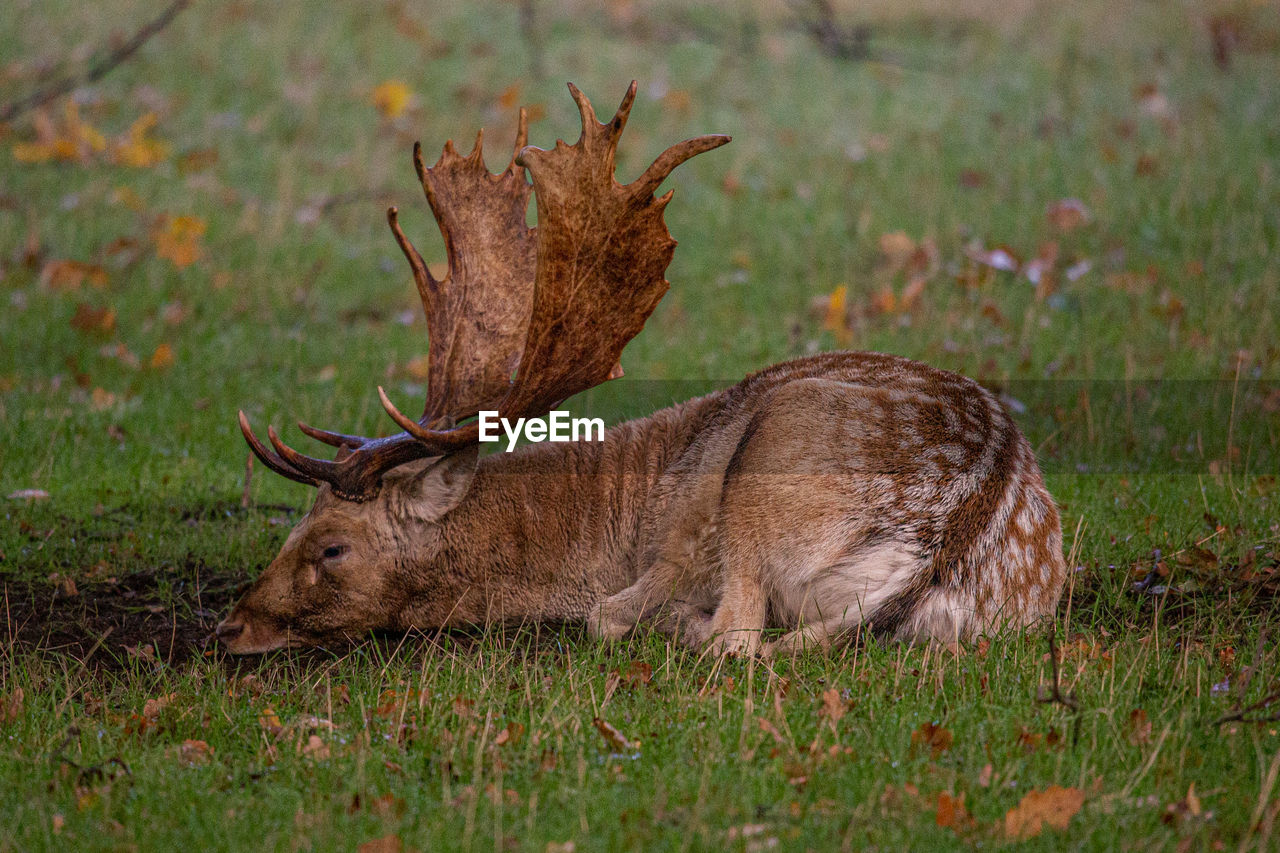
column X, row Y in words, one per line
column 152, row 707
column 1184, row 809
column 952, row 813
column 385, row 844
column 984, row 776
column 161, row 358
column 1067, row 214
column 1138, row 728
column 11, row 706
column 616, row 739
column 315, row 748
column 833, row 706
column 269, row 721
column 71, row 275
column 92, row 320
column 933, row 736
column 177, row 239
column 897, row 248
column 510, row 735
column 1054, row 806
column 193, row 752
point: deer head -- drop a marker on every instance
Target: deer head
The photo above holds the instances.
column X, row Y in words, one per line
column 524, row 319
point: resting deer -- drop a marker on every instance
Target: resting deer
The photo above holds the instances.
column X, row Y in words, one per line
column 819, row 496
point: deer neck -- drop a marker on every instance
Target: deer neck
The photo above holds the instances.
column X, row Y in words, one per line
column 548, row 531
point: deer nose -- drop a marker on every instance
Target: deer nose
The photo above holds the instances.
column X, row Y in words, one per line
column 228, row 630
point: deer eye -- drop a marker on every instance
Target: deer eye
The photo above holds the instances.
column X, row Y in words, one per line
column 333, row 552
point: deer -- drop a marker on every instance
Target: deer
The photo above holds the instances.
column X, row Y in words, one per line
column 818, row 498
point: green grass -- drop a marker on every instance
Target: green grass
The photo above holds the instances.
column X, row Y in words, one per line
column 1148, row 384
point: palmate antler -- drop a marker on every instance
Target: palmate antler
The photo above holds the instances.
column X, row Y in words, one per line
column 555, row 304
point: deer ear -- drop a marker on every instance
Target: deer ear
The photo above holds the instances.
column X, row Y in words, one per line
column 439, row 486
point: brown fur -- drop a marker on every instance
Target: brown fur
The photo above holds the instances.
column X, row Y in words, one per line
column 816, row 496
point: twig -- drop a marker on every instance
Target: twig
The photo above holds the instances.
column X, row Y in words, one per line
column 1239, row 714
column 98, row 70
column 1055, row 693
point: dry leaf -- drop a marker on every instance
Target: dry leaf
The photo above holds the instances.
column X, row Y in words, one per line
column 1186, row 808
column 616, row 739
column 931, row 735
column 269, row 720
column 952, row 813
column 385, row 844
column 161, row 358
column 58, row 822
column 71, row 275
column 152, row 707
column 391, row 97
column 1054, row 806
column 897, row 249
column 1067, row 214
column 984, row 775
column 11, row 706
column 315, row 748
column 1139, row 727
column 193, row 752
column 510, row 735
column 833, row 706
column 177, row 239
column 92, row 320
column 138, row 148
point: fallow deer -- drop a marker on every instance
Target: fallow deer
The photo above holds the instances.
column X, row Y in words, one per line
column 819, row 496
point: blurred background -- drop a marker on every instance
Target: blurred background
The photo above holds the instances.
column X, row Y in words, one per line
column 1027, row 192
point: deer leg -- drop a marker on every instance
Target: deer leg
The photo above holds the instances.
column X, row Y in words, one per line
column 740, row 618
column 617, row 615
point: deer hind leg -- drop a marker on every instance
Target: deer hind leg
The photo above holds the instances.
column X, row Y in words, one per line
column 661, row 591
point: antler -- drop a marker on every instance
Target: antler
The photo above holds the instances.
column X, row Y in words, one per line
column 573, row 291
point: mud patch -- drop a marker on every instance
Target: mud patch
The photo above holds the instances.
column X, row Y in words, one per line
column 104, row 624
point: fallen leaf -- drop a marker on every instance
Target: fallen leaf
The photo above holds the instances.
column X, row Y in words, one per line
column 161, row 358
column 92, row 320
column 177, row 239
column 510, row 735
column 385, row 844
column 833, row 705
column 931, row 735
column 138, row 148
column 71, row 275
column 391, row 97
column 193, row 752
column 1067, row 214
column 1139, row 727
column 152, row 707
column 1054, row 806
column 984, row 775
column 11, row 706
column 315, row 748
column 1184, row 809
column 269, row 721
column 952, row 813
column 58, row 822
column 897, row 249
column 612, row 736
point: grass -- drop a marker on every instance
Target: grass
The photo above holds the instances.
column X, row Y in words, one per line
column 1147, row 384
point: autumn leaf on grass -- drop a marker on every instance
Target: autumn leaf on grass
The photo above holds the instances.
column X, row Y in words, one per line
column 315, row 748
column 1067, row 214
column 68, row 140
column 269, row 721
column 834, row 310
column 612, row 736
column 92, row 320
column 71, row 275
column 193, row 752
column 391, row 97
column 385, row 844
column 161, row 358
column 152, row 707
column 933, row 736
column 833, row 706
column 1138, row 728
column 952, row 813
column 11, row 706
column 510, row 735
column 1054, row 806
column 177, row 239
column 138, row 148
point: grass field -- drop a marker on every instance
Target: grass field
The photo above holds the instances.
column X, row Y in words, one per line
column 1078, row 204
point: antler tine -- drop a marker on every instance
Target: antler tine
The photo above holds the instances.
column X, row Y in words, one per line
column 271, row 460
column 668, row 160
column 522, row 139
column 437, row 441
column 317, row 469
column 421, row 275
column 333, row 439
